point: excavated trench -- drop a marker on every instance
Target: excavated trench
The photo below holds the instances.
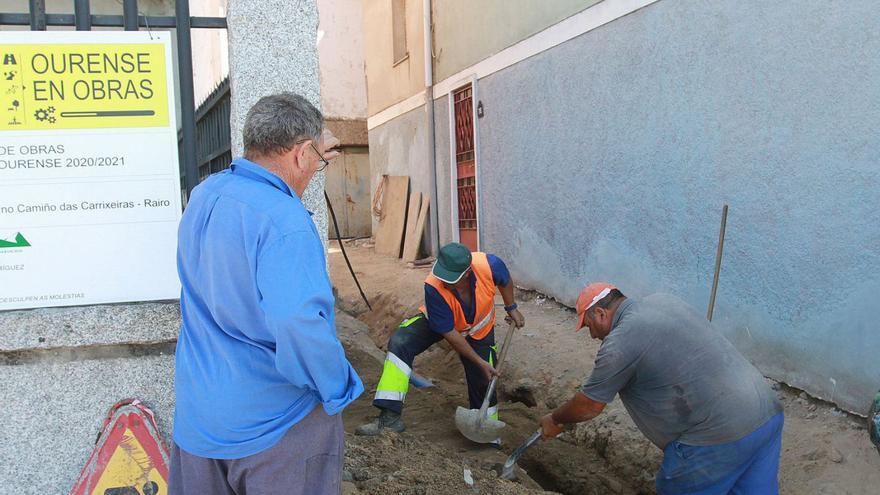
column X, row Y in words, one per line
column 559, row 465
column 825, row 450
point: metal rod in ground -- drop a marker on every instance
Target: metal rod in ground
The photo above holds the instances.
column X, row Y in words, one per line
column 344, row 254
column 717, row 263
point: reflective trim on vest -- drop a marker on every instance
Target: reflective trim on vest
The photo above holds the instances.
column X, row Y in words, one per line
column 484, row 295
column 490, row 318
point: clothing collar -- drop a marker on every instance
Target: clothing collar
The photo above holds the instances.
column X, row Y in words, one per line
column 245, row 168
column 624, row 307
column 473, row 279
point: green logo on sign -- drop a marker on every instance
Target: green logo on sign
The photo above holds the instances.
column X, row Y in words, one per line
column 20, row 241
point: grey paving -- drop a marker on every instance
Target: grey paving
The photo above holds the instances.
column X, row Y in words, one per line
column 89, row 325
column 51, row 414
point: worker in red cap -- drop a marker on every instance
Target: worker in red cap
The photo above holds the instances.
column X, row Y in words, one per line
column 459, row 308
column 687, row 389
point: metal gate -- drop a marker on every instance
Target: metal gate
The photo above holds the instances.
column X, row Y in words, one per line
column 130, row 20
column 213, row 134
column 465, row 163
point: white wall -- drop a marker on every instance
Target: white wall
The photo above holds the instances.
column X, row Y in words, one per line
column 341, row 59
column 210, row 49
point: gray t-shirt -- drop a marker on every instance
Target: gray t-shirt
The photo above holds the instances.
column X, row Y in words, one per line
column 678, row 377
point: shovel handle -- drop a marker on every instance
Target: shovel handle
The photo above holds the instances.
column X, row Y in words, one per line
column 504, row 347
column 519, row 450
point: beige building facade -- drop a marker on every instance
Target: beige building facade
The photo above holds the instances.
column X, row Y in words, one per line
column 409, row 72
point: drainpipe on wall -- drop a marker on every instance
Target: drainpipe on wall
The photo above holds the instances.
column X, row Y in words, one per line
column 429, row 111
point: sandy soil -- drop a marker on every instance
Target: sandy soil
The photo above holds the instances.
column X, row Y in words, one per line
column 430, row 456
column 825, row 450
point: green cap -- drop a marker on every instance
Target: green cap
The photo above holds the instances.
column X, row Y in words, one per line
column 452, row 262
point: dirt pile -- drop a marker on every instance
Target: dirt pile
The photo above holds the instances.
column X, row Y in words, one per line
column 407, row 465
column 431, row 455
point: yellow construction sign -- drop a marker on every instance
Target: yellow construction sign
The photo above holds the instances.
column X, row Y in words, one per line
column 82, row 86
column 129, row 458
column 130, row 469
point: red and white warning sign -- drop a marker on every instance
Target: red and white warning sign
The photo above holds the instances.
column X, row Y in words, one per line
column 129, row 457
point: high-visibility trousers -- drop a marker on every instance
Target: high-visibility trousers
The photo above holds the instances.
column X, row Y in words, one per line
column 414, row 337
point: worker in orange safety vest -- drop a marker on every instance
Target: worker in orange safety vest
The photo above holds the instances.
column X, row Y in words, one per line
column 459, row 308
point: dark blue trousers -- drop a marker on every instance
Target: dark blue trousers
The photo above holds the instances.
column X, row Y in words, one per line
column 748, row 466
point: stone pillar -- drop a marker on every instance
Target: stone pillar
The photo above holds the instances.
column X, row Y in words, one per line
column 273, row 48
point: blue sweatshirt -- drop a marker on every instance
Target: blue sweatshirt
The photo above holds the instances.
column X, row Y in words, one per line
column 258, row 348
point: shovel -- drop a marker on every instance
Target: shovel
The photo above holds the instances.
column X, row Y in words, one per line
column 475, row 423
column 508, row 472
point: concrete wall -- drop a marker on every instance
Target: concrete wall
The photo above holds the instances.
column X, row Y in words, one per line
column 466, row 31
column 400, row 147
column 445, row 199
column 273, row 49
column 389, row 83
column 62, row 369
column 617, row 168
column 341, row 58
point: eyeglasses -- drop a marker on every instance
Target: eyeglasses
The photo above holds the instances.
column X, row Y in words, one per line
column 324, row 162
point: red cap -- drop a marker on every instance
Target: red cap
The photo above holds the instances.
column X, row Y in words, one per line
column 591, row 294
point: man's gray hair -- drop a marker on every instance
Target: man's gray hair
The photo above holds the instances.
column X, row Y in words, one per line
column 276, row 122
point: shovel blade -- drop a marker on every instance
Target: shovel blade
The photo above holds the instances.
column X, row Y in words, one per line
column 508, row 471
column 477, row 428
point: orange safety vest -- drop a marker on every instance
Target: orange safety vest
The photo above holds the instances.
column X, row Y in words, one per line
column 484, row 316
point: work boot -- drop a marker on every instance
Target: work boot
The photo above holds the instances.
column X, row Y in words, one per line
column 389, row 420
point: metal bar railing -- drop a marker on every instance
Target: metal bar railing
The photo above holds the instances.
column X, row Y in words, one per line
column 187, row 96
column 37, row 15
column 153, row 22
column 130, row 15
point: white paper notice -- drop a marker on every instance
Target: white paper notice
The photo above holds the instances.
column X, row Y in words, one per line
column 89, row 176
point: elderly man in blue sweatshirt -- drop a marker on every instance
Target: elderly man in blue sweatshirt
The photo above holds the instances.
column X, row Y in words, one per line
column 261, row 377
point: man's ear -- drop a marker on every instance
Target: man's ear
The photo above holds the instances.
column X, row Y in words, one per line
column 299, row 154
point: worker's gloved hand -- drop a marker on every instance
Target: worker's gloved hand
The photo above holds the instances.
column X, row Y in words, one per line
column 549, row 428
column 517, row 318
column 490, row 370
